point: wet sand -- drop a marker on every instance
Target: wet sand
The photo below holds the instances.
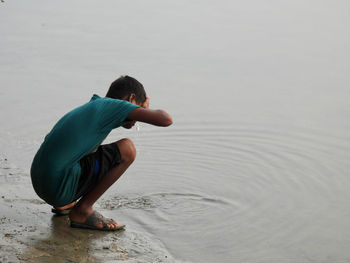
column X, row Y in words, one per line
column 31, row 233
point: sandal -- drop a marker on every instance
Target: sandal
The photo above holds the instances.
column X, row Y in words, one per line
column 93, row 219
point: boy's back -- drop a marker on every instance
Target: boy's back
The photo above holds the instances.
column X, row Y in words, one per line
column 56, row 170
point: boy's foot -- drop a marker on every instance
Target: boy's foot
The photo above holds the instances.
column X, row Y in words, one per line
column 96, row 221
column 63, row 210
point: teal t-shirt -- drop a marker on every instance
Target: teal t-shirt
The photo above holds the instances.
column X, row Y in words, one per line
column 56, row 170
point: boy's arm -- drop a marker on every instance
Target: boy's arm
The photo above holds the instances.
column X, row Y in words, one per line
column 154, row 117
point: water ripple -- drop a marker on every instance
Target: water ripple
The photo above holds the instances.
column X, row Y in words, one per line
column 266, row 183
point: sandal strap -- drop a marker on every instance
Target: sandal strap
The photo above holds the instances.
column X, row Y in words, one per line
column 96, row 217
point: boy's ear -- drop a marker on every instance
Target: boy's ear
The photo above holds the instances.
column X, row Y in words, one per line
column 132, row 97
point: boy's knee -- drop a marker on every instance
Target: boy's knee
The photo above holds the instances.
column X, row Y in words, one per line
column 127, row 150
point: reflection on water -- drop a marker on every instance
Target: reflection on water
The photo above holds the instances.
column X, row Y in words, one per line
column 62, row 244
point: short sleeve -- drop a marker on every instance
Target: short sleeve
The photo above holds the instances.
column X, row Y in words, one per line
column 113, row 113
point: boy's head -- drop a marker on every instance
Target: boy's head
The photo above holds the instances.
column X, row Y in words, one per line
column 125, row 87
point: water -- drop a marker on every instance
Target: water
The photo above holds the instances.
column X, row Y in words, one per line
column 254, row 168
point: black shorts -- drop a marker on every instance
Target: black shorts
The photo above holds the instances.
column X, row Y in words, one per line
column 94, row 167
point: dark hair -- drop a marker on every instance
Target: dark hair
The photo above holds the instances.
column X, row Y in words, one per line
column 124, row 87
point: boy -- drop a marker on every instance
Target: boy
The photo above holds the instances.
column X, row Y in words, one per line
column 71, row 170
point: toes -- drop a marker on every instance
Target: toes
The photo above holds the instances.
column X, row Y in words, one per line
column 109, row 225
column 112, row 224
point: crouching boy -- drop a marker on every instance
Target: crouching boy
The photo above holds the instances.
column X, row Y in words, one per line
column 72, row 170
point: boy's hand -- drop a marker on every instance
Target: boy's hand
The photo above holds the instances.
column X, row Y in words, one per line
column 146, row 103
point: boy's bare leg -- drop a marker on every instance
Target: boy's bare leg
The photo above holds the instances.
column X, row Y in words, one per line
column 84, row 208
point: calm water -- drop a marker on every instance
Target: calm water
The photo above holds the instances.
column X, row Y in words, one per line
column 255, row 167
